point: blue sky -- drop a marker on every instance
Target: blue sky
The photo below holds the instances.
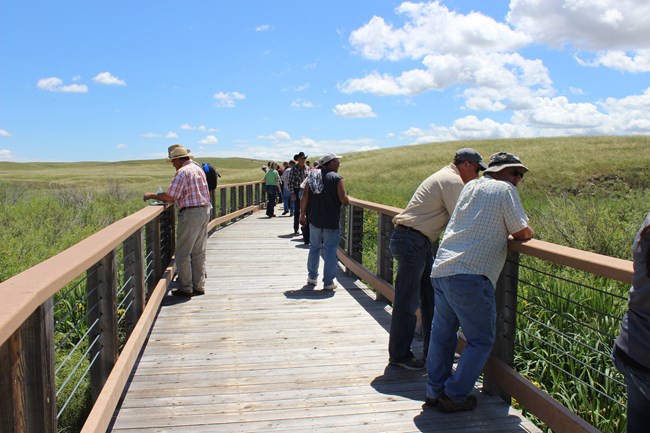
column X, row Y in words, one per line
column 122, row 80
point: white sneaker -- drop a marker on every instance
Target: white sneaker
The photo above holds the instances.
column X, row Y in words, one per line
column 330, row 287
column 311, row 282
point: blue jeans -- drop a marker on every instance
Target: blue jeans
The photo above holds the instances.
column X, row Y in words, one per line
column 287, row 203
column 638, row 395
column 271, row 195
column 412, row 290
column 325, row 240
column 466, row 301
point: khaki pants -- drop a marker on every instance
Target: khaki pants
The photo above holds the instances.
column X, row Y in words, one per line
column 191, row 239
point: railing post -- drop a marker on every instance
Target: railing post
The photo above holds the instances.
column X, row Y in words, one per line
column 102, row 319
column 152, row 233
column 213, row 206
column 27, row 383
column 355, row 234
column 223, row 203
column 167, row 236
column 506, row 320
column 257, row 194
column 233, row 198
column 242, row 204
column 384, row 257
column 134, row 271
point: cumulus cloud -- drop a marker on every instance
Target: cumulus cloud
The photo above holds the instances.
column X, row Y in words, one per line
column 585, row 25
column 200, row 128
column 354, row 110
column 106, row 78
column 276, row 136
column 638, row 61
column 6, row 155
column 55, row 84
column 227, row 99
column 209, row 140
column 4, row 133
column 302, row 103
column 431, row 28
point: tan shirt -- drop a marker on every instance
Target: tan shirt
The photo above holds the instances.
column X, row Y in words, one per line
column 433, row 203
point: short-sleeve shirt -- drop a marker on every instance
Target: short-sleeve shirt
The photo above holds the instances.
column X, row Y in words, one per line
column 433, row 202
column 271, row 178
column 189, row 187
column 476, row 238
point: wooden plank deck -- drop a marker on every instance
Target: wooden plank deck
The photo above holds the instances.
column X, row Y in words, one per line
column 263, row 352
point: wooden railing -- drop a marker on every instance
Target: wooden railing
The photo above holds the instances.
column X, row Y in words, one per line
column 499, row 376
column 122, row 273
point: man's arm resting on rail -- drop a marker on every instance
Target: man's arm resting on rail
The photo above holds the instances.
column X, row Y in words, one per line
column 523, row 234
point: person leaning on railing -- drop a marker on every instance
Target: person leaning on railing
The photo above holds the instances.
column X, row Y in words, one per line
column 632, row 349
column 468, row 263
column 189, row 191
column 414, row 243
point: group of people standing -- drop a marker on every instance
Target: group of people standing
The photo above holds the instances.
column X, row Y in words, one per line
column 452, row 281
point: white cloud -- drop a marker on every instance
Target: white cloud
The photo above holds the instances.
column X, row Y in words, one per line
column 151, row 135
column 302, row 103
column 638, row 61
column 264, row 28
column 227, row 99
column 209, row 140
column 276, row 136
column 4, row 133
column 171, row 134
column 200, row 128
column 55, row 84
column 108, row 79
column 431, row 28
column 354, row 110
column 6, row 155
column 585, row 25
column 121, row 146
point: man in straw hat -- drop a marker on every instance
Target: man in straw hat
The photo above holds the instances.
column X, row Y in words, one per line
column 188, row 190
column 464, row 275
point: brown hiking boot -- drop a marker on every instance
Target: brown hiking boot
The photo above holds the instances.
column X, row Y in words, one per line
column 445, row 404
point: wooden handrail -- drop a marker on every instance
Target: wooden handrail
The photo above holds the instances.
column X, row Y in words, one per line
column 22, row 294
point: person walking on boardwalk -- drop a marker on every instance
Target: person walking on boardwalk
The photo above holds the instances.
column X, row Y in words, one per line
column 286, row 192
column 464, row 275
column 631, row 352
column 188, row 190
column 297, row 175
column 323, row 196
column 414, row 243
column 272, row 186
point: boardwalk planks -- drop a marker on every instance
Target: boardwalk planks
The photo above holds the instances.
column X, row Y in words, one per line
column 263, row 352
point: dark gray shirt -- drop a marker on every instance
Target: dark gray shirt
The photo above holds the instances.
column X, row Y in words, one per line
column 324, row 208
column 634, row 338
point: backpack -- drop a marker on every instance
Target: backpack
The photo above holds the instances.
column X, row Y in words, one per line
column 211, row 175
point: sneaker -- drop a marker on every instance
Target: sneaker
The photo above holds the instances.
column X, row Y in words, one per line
column 410, row 364
column 445, row 404
column 285, row 212
column 311, row 282
column 431, row 401
column 330, row 286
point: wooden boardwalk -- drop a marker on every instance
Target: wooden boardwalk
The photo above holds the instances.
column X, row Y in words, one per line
column 263, row 352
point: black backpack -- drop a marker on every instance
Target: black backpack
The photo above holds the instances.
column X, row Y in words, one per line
column 211, row 175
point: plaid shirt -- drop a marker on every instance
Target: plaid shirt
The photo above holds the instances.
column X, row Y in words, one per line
column 296, row 176
column 476, row 239
column 189, row 187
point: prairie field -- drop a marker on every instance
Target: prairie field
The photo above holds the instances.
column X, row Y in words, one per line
column 590, row 193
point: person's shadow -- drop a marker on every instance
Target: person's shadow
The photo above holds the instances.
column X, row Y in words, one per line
column 309, row 292
column 404, row 383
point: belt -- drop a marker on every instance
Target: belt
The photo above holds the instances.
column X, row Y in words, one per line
column 191, row 207
column 410, row 229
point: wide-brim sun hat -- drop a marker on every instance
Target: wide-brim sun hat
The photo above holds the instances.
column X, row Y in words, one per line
column 327, row 158
column 179, row 152
column 501, row 160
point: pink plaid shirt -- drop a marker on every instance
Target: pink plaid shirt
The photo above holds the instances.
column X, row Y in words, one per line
column 189, row 187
